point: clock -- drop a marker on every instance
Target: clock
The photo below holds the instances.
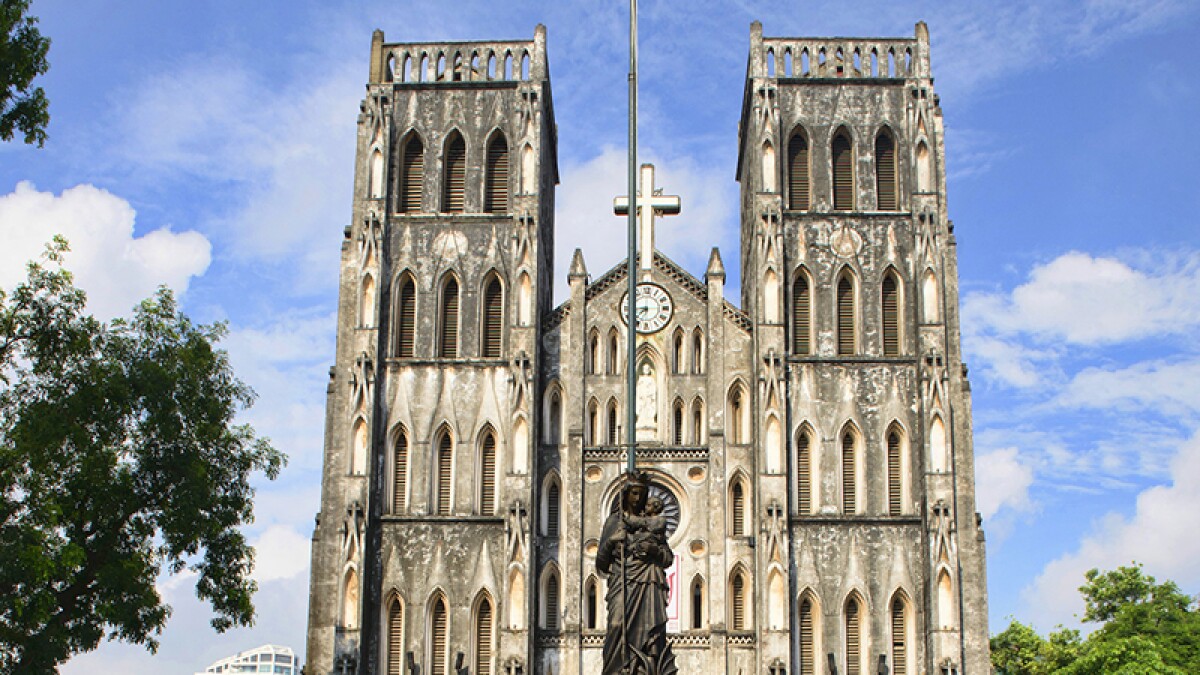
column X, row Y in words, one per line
column 652, row 309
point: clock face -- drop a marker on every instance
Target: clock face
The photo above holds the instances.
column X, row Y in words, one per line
column 652, row 308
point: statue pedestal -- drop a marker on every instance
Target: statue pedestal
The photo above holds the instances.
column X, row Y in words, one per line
column 647, row 434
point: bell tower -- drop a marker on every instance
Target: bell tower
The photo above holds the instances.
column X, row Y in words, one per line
column 447, row 265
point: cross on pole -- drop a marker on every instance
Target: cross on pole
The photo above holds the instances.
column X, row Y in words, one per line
column 659, row 205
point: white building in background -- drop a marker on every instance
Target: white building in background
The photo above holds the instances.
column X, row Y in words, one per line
column 265, row 659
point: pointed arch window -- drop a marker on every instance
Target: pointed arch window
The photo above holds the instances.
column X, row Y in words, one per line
column 697, row 597
column 593, row 425
column 677, row 353
column 739, row 621
column 885, row 171
column 487, row 474
column 553, row 429
column 808, row 647
column 412, row 175
column 590, row 600
column 483, row 636
column 439, row 625
column 804, row 473
column 697, row 352
column 495, row 189
column 737, row 415
column 593, row 362
column 899, row 637
column 890, row 309
column 614, row 435
column 677, row 423
column 737, row 509
column 798, row 170
column 493, row 318
column 842, row 153
column 697, row 422
column 406, row 317
column 443, row 488
column 895, row 473
column 400, row 472
column 550, row 601
column 395, row 637
column 801, row 315
column 449, row 319
column 454, row 179
column 849, row 473
column 613, row 353
column 846, row 323
column 853, row 637
column 553, row 508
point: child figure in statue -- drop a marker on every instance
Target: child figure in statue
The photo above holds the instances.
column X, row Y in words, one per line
column 649, row 530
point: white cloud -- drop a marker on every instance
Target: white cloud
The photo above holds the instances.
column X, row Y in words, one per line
column 1171, row 387
column 1161, row 534
column 115, row 267
column 1002, row 480
column 280, row 553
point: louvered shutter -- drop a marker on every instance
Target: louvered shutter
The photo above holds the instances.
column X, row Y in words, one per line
column 413, row 176
column 808, row 653
column 801, row 316
column 804, row 476
column 843, row 173
column 496, row 190
column 891, row 317
column 449, row 347
column 612, row 426
column 845, row 317
column 400, row 474
column 678, row 424
column 487, row 476
column 553, row 495
column 893, row 470
column 438, row 662
column 739, row 603
column 493, row 314
column 853, row 649
column 483, row 639
column 798, row 173
column 885, row 172
column 552, row 602
column 899, row 639
column 739, row 510
column 455, row 185
column 849, row 476
column 395, row 639
column 445, row 475
column 407, row 319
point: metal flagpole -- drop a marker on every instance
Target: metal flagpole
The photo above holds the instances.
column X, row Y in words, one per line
column 630, row 317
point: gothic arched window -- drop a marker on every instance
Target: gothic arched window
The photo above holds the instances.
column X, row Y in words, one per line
column 885, row 171
column 395, row 636
column 808, row 647
column 847, row 338
column 493, row 318
column 899, row 636
column 454, row 175
column 495, row 188
column 801, row 315
column 552, row 512
column 895, row 473
column 406, row 316
column 484, row 620
column 444, row 482
column 853, row 636
column 849, row 472
column 890, row 309
column 412, row 175
column 842, row 153
column 439, row 628
column 804, row 473
column 737, row 508
column 487, row 473
column 739, row 619
column 448, row 348
column 400, row 471
column 798, row 171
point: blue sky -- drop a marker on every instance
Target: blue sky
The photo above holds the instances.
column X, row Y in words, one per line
column 209, row 146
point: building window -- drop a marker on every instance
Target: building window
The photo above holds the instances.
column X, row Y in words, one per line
column 808, row 648
column 899, row 637
column 493, row 316
column 438, row 631
column 801, row 315
column 846, row 324
column 613, row 353
column 677, row 423
column 739, row 621
column 449, row 319
column 885, row 171
column 804, row 473
column 590, row 599
column 487, row 474
column 593, row 362
column 853, row 637
column 445, row 475
column 454, row 179
column 614, row 435
column 553, row 505
column 483, row 636
column 890, row 301
column 843, row 171
column 400, row 472
column 697, row 352
column 849, row 473
column 677, row 353
column 412, row 175
column 495, row 189
column 395, row 637
column 894, row 474
column 406, row 317
column 798, row 182
column 550, row 601
column 697, row 594
column 737, row 509
column 697, row 422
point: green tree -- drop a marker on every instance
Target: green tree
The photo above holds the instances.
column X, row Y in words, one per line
column 119, row 459
column 23, row 108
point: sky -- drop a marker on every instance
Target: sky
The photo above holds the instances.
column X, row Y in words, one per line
column 209, row 146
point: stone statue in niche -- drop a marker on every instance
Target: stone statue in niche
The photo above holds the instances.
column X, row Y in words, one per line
column 647, row 405
column 634, row 554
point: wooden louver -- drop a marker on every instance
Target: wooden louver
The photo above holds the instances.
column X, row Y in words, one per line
column 483, row 638
column 843, row 173
column 899, row 639
column 400, row 474
column 808, row 651
column 849, row 476
column 487, row 476
column 395, row 638
column 678, row 420
column 891, row 316
column 445, row 474
column 438, row 659
column 853, row 647
column 739, row 602
column 413, row 176
column 801, row 316
column 739, row 510
column 454, row 186
column 449, row 345
column 495, row 192
column 613, row 436
column 552, row 602
column 885, row 172
column 406, row 318
column 845, row 317
column 553, row 499
column 493, row 315
column 893, row 473
column 798, row 190
column 803, row 476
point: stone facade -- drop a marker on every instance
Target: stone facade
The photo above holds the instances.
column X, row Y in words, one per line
column 813, row 446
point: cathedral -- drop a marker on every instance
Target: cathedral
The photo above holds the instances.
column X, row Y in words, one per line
column 810, row 445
